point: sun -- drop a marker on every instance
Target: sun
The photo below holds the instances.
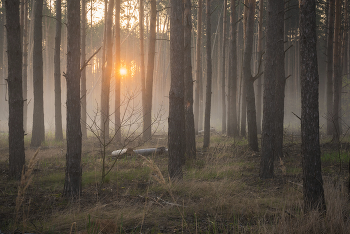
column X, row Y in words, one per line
column 123, row 71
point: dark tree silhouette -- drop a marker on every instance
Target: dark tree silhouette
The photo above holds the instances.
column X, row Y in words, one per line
column 117, row 122
column 24, row 33
column 83, row 72
column 223, row 71
column 57, row 74
column 189, row 118
column 232, row 123
column 248, row 79
column 330, row 37
column 14, row 81
column 337, row 75
column 176, row 121
column 274, row 69
column 312, row 177
column 106, row 77
column 259, row 95
column 206, row 140
column 38, row 131
column 198, row 105
column 147, row 121
column 72, row 184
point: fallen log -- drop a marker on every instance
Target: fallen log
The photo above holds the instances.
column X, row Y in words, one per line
column 144, row 152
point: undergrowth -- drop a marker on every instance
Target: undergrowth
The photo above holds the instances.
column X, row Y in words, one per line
column 221, row 193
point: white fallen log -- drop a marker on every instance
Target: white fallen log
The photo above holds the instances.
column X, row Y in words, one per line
column 147, row 151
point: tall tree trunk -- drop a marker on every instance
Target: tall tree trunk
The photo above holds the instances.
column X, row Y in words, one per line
column 83, row 72
column 147, row 121
column 38, row 131
column 223, row 71
column 243, row 81
column 199, row 82
column 2, row 65
column 280, row 85
column 72, row 183
column 248, row 80
column 312, row 177
column 337, row 71
column 106, row 78
column 14, row 81
column 274, row 70
column 329, row 115
column 57, row 74
column 118, row 135
column 188, row 82
column 176, row 121
column 206, row 140
column 259, row 94
column 142, row 54
column 25, row 24
column 232, row 124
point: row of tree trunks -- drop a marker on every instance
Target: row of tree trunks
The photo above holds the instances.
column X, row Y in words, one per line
column 14, row 81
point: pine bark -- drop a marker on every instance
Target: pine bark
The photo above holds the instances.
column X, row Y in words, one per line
column 206, row 140
column 259, row 94
column 57, row 74
column 223, row 71
column 83, row 72
column 274, row 70
column 73, row 175
column 232, row 124
column 117, row 127
column 312, row 175
column 2, row 65
column 280, row 83
column 38, row 131
column 337, row 76
column 188, row 82
column 147, row 121
column 248, row 80
column 176, row 121
column 14, row 81
column 106, row 79
column 330, row 38
column 199, row 83
column 142, row 59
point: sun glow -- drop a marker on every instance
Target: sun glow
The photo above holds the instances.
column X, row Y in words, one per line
column 123, row 71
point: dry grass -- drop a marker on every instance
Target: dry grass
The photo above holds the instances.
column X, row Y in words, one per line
column 221, row 193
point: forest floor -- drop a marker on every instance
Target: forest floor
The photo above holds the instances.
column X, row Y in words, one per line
column 221, row 192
